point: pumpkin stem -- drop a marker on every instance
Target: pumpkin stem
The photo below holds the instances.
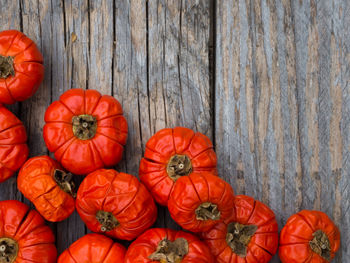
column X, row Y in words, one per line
column 107, row 220
column 179, row 165
column 6, row 67
column 65, row 182
column 320, row 245
column 84, row 126
column 8, row 250
column 238, row 237
column 170, row 252
column 207, row 211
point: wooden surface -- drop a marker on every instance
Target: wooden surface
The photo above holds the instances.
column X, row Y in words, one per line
column 267, row 81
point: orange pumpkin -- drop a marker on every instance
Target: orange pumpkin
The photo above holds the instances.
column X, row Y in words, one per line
column 171, row 154
column 116, row 204
column 249, row 235
column 200, row 201
column 13, row 147
column 24, row 237
column 93, row 248
column 168, row 246
column 21, row 67
column 86, row 130
column 309, row 236
column 43, row 181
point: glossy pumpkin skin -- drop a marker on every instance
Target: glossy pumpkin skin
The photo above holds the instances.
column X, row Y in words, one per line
column 298, row 232
column 167, row 143
column 104, row 142
column 121, row 195
column 27, row 228
column 263, row 243
column 13, row 148
column 190, row 192
column 36, row 181
column 27, row 66
column 146, row 244
column 93, row 248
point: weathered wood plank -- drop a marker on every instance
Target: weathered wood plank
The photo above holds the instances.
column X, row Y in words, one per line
column 130, row 77
column 281, row 100
column 101, row 45
column 341, row 55
column 179, row 90
column 322, row 139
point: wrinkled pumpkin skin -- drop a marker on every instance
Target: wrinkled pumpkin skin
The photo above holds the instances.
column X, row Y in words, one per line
column 93, row 248
column 299, row 233
column 21, row 67
column 85, row 130
column 193, row 191
column 120, row 199
column 146, row 244
column 262, row 242
column 36, row 182
column 13, row 144
column 27, row 229
column 194, row 149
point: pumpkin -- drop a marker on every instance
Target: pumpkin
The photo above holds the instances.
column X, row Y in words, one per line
column 201, row 200
column 309, row 236
column 24, row 237
column 85, row 130
column 21, row 67
column 168, row 246
column 13, row 148
column 93, row 248
column 43, row 181
column 116, row 204
column 171, row 154
column 249, row 235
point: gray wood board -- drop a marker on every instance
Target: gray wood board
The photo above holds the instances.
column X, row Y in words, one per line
column 267, row 81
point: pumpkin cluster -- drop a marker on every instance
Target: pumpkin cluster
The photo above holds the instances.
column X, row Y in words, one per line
column 87, row 132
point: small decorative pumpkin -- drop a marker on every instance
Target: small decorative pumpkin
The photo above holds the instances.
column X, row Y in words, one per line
column 24, row 237
column 93, row 248
column 13, row 144
column 168, row 246
column 309, row 236
column 200, row 201
column 250, row 235
column 43, row 181
column 116, row 204
column 171, row 154
column 85, row 130
column 21, row 67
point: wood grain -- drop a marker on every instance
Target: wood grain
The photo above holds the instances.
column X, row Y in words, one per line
column 267, row 81
column 178, row 69
column 281, row 99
